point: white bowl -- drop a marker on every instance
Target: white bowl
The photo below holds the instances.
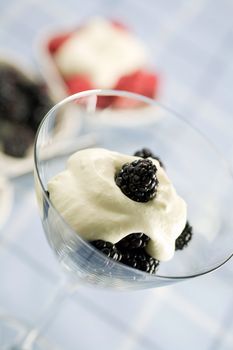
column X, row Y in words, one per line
column 6, row 200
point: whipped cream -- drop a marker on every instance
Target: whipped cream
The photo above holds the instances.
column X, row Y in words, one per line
column 101, row 51
column 87, row 197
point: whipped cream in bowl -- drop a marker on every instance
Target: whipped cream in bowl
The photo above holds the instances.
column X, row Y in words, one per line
column 87, row 197
column 118, row 216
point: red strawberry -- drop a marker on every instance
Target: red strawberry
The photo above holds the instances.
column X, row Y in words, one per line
column 104, row 101
column 117, row 24
column 77, row 83
column 57, row 41
column 140, row 82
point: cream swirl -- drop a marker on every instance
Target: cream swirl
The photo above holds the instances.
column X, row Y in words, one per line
column 87, row 197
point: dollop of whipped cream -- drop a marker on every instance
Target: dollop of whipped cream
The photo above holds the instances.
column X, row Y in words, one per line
column 87, row 197
column 101, row 51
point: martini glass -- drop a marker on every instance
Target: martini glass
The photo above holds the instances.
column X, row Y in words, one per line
column 126, row 122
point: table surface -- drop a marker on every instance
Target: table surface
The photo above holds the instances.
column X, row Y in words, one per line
column 191, row 45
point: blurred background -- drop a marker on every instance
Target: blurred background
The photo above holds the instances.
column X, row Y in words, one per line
column 189, row 47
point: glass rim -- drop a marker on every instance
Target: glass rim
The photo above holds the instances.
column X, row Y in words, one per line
column 147, row 100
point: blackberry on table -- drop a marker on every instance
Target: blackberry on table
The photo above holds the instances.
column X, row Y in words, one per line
column 137, row 180
column 147, row 153
column 133, row 241
column 140, row 260
column 108, row 249
column 184, row 238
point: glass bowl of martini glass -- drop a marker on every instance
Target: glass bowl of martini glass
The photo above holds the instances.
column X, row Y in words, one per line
column 196, row 169
column 125, row 122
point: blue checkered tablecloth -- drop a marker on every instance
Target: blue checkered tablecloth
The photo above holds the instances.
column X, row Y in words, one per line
column 191, row 45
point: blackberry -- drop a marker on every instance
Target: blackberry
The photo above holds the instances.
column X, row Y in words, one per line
column 40, row 105
column 133, row 241
column 140, row 260
column 137, row 180
column 23, row 104
column 147, row 153
column 108, row 249
column 6, row 98
column 185, row 237
column 16, row 140
column 14, row 104
column 130, row 251
column 19, row 110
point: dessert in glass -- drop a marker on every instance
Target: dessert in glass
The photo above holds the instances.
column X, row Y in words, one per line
column 89, row 56
column 104, row 228
column 189, row 160
column 23, row 103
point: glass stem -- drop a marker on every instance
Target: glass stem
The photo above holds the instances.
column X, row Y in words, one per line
column 62, row 292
